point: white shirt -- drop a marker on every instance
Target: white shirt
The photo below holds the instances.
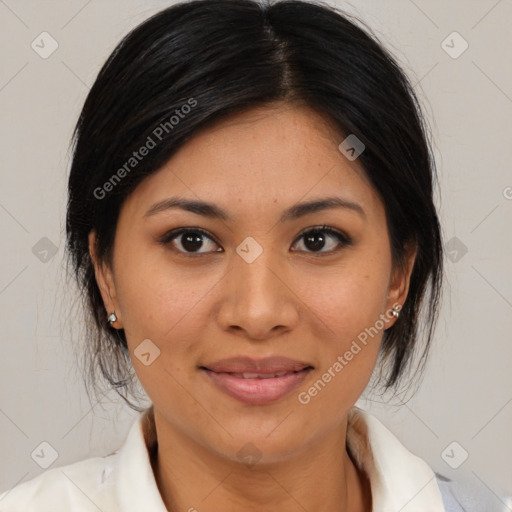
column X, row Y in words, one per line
column 124, row 481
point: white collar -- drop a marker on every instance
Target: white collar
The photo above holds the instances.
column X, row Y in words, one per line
column 136, row 486
column 399, row 480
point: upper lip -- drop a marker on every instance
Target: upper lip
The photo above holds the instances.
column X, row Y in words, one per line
column 274, row 364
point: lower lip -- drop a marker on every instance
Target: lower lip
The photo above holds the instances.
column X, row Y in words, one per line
column 257, row 391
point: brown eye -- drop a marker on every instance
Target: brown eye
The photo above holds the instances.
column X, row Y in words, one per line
column 190, row 241
column 323, row 240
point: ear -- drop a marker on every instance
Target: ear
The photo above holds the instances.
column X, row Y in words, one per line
column 105, row 282
column 400, row 280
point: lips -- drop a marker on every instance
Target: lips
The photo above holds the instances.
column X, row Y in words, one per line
column 268, row 365
column 257, row 382
column 255, row 375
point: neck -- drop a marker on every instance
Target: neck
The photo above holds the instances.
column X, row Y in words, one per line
column 322, row 478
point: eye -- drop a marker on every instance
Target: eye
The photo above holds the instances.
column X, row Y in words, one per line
column 317, row 239
column 189, row 241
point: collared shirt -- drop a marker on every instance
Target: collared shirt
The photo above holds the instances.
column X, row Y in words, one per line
column 124, row 480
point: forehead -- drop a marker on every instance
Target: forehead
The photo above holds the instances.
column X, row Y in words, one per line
column 276, row 154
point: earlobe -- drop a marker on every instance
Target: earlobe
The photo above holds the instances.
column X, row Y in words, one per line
column 400, row 282
column 105, row 282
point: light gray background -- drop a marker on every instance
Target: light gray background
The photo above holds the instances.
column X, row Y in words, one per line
column 466, row 395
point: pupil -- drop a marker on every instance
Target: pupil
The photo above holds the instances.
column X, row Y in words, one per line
column 192, row 242
column 315, row 241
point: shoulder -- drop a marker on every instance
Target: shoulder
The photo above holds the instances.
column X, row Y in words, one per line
column 462, row 496
column 84, row 485
column 396, row 473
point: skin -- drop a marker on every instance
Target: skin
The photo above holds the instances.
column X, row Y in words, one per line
column 290, row 301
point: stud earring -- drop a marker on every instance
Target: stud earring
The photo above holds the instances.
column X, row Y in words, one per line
column 112, row 318
column 396, row 311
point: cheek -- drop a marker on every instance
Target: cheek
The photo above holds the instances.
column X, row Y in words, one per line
column 168, row 308
column 347, row 306
column 347, row 299
column 158, row 301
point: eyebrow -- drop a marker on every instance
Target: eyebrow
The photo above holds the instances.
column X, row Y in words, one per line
column 213, row 211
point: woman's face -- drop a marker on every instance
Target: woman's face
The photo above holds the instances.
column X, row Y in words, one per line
column 257, row 286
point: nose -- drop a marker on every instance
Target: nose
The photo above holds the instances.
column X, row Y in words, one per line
column 258, row 300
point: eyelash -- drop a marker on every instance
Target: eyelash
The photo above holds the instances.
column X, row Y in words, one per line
column 343, row 239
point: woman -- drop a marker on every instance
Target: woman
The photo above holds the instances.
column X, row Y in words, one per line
column 250, row 218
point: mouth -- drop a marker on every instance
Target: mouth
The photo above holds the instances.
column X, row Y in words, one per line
column 257, row 382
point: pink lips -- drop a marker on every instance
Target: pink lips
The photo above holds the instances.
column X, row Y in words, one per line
column 257, row 382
